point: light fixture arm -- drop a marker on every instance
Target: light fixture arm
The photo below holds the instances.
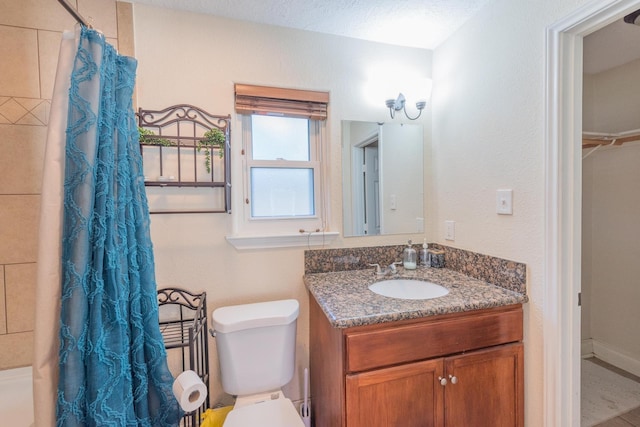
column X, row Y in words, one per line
column 399, row 104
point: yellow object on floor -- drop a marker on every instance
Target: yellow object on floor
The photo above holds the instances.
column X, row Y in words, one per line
column 215, row 417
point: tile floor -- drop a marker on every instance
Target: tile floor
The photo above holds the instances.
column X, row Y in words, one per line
column 631, row 418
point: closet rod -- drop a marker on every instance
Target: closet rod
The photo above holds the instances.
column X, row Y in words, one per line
column 592, row 139
column 74, row 13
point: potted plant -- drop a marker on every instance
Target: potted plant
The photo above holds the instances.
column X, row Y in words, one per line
column 213, row 138
column 150, row 138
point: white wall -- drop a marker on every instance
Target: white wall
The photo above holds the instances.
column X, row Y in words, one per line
column 611, row 209
column 196, row 59
column 488, row 134
column 611, row 102
column 614, row 247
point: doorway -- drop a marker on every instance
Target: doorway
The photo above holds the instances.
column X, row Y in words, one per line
column 371, row 189
column 366, row 186
column 563, row 209
column 610, row 374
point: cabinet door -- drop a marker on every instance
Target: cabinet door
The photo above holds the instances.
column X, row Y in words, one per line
column 401, row 396
column 485, row 388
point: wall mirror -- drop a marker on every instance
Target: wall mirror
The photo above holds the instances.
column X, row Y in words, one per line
column 382, row 178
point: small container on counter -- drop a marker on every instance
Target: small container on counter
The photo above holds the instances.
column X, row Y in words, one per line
column 409, row 257
column 424, row 255
column 437, row 258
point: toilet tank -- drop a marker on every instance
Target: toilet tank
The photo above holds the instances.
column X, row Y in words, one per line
column 256, row 345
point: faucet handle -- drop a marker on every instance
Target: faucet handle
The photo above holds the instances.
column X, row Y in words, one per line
column 378, row 269
column 392, row 266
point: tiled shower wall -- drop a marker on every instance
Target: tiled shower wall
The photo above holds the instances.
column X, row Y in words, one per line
column 30, row 33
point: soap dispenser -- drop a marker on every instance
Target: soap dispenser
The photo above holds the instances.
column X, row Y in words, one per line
column 424, row 254
column 409, row 257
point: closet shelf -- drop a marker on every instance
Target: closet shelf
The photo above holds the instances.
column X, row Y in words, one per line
column 595, row 139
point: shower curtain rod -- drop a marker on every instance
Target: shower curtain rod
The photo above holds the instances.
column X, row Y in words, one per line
column 74, row 13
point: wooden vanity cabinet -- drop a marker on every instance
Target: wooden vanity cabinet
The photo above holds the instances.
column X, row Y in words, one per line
column 489, row 390
column 406, row 395
column 453, row 370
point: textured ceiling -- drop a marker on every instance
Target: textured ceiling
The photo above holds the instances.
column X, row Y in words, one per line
column 415, row 23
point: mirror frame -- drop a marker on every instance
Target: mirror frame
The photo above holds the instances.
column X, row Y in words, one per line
column 397, row 156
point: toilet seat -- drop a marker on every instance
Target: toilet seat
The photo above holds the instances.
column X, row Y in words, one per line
column 270, row 413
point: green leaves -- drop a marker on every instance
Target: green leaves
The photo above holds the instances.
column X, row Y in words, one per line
column 213, row 138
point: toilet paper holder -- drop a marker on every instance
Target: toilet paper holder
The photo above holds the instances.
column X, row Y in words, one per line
column 183, row 323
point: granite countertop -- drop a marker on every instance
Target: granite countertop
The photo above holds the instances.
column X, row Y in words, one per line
column 346, row 300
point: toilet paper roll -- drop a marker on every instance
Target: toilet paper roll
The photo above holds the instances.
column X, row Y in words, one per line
column 189, row 390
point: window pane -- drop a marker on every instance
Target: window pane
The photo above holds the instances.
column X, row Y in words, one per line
column 276, row 138
column 281, row 192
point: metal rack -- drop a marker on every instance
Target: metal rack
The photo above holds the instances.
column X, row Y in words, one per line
column 174, row 150
column 183, row 323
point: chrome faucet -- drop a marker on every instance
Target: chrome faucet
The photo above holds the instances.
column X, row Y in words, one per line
column 390, row 270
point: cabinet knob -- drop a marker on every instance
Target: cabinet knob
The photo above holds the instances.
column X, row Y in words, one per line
column 454, row 379
column 443, row 381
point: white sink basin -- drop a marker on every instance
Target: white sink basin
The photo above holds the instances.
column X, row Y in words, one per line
column 408, row 289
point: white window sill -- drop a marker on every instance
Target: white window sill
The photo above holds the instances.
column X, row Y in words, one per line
column 283, row 240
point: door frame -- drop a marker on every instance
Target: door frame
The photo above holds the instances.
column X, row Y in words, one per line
column 358, row 207
column 563, row 205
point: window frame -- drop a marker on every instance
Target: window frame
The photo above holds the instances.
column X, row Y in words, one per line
column 289, row 231
column 313, row 163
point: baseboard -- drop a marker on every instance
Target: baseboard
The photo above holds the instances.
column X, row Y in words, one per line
column 586, row 348
column 603, row 352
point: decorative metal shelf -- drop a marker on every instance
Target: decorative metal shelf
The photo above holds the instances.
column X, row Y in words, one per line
column 184, row 146
column 183, row 184
column 183, row 323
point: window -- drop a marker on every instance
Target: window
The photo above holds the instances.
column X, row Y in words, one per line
column 282, row 167
column 283, row 148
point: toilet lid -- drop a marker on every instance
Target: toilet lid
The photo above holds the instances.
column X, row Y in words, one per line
column 270, row 413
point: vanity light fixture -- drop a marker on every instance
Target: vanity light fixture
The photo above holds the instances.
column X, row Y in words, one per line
column 398, row 104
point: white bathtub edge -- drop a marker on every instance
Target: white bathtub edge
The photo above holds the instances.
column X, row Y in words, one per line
column 16, row 373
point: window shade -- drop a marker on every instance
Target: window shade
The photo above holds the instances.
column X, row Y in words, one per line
column 279, row 101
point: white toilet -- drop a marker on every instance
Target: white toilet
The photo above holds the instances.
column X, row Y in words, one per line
column 256, row 349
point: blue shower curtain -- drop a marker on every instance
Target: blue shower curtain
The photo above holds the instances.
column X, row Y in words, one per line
column 113, row 367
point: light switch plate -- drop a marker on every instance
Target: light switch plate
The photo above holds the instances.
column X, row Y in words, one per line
column 450, row 230
column 504, row 202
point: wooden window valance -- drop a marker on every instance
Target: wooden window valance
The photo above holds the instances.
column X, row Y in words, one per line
column 280, row 101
